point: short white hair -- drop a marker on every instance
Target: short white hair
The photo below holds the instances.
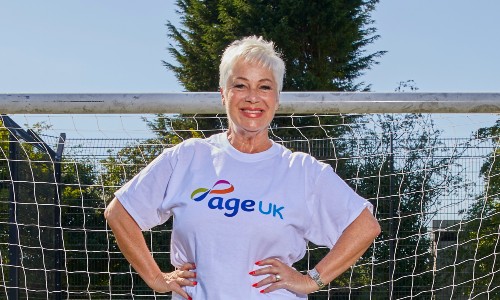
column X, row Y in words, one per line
column 252, row 49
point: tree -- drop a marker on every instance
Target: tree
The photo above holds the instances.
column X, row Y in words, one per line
column 4, row 193
column 85, row 238
column 36, row 192
column 119, row 168
column 401, row 167
column 478, row 239
column 407, row 173
column 27, row 188
column 322, row 43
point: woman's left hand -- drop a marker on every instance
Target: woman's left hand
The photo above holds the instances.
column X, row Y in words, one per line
column 282, row 276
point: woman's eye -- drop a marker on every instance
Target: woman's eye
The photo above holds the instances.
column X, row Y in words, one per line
column 265, row 87
column 239, row 86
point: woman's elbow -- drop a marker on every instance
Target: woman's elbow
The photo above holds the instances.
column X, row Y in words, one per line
column 374, row 228
column 111, row 212
column 368, row 225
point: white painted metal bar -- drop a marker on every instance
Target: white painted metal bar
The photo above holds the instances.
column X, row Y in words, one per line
column 290, row 102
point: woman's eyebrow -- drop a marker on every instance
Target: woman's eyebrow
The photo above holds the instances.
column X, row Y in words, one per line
column 246, row 79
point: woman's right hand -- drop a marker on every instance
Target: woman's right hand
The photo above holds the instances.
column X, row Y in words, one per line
column 174, row 281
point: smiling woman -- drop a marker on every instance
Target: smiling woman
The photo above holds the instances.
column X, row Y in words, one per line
column 251, row 77
column 269, row 202
column 251, row 99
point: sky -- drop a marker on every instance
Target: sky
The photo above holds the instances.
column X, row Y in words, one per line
column 113, row 46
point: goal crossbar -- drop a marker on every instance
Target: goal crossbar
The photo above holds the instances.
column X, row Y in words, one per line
column 209, row 103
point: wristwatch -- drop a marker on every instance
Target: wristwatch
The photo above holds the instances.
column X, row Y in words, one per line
column 313, row 273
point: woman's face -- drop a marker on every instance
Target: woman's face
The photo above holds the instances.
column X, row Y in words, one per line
column 250, row 98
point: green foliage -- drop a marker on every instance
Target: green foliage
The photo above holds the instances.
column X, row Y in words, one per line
column 407, row 185
column 30, row 175
column 322, row 41
column 479, row 236
column 83, row 222
column 4, row 192
column 37, row 192
column 119, row 168
column 413, row 179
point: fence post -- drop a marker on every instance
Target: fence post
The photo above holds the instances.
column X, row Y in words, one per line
column 57, row 217
column 392, row 253
column 13, row 289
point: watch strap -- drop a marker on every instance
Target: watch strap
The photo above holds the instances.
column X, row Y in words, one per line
column 314, row 274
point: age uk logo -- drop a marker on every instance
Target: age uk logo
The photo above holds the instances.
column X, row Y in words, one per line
column 232, row 206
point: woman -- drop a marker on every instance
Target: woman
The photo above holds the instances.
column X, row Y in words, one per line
column 244, row 206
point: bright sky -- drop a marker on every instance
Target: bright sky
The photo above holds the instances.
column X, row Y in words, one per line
column 77, row 46
column 444, row 46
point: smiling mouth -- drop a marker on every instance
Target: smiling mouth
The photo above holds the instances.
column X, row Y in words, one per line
column 252, row 111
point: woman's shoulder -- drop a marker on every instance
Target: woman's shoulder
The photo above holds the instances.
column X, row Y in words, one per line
column 302, row 158
column 197, row 144
column 184, row 147
column 193, row 142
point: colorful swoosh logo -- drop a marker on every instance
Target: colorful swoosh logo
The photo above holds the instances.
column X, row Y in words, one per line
column 200, row 193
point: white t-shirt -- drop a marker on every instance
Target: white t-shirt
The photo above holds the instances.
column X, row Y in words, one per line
column 232, row 209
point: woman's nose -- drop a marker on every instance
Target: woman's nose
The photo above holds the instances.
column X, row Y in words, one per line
column 252, row 96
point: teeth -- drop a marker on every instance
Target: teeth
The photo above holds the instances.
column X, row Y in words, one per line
column 252, row 111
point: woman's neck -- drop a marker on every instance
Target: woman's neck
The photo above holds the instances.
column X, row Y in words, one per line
column 250, row 142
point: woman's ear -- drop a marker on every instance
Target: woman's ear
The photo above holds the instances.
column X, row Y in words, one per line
column 222, row 96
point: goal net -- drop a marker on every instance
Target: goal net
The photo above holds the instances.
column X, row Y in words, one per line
column 429, row 165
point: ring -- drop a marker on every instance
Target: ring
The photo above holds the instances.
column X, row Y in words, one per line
column 277, row 278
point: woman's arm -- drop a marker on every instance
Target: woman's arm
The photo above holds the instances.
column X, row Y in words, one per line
column 351, row 245
column 353, row 242
column 132, row 244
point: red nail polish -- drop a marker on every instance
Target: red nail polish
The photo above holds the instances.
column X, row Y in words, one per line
column 262, row 291
column 194, row 274
column 194, row 266
column 251, row 273
column 195, row 283
column 254, row 285
column 189, row 298
column 257, row 263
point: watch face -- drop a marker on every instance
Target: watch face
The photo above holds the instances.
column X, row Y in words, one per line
column 315, row 276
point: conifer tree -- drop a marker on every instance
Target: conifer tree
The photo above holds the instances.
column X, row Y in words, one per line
column 322, row 43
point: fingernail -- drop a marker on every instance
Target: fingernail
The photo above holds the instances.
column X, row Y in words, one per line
column 195, row 282
column 257, row 263
column 251, row 273
column 194, row 266
column 254, row 285
column 189, row 298
column 194, row 274
column 262, row 291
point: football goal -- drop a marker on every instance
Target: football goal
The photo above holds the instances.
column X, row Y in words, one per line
column 428, row 162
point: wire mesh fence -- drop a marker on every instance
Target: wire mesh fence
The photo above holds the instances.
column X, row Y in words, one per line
column 54, row 242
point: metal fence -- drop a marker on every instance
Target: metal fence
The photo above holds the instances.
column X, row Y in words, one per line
column 54, row 242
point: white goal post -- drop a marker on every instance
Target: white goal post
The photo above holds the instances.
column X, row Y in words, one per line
column 290, row 102
column 436, row 196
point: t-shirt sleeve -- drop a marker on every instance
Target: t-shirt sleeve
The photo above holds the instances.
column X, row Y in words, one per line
column 332, row 207
column 144, row 194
